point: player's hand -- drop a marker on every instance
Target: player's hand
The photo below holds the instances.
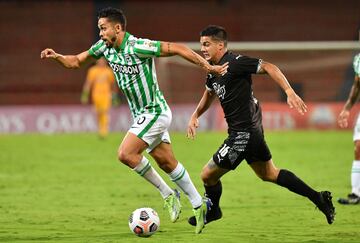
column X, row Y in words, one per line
column 191, row 130
column 84, row 98
column 343, row 118
column 48, row 53
column 294, row 101
column 219, row 70
column 115, row 100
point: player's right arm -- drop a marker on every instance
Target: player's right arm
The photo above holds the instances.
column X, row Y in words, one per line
column 353, row 96
column 204, row 104
column 293, row 100
column 68, row 61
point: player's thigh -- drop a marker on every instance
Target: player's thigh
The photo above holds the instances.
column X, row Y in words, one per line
column 211, row 173
column 257, row 148
column 265, row 170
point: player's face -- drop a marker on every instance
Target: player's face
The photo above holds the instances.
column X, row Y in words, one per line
column 108, row 31
column 210, row 48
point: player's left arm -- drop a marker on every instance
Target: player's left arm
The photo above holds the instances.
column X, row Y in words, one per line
column 171, row 49
column 68, row 61
column 293, row 100
column 85, row 92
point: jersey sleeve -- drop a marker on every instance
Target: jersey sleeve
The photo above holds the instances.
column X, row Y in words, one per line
column 208, row 84
column 97, row 50
column 147, row 48
column 243, row 64
column 356, row 64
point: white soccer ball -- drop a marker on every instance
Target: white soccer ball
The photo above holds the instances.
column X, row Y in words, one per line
column 144, row 222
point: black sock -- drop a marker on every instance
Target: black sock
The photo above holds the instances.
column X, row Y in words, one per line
column 293, row 183
column 214, row 193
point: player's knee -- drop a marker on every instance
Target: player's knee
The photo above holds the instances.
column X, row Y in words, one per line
column 124, row 157
column 207, row 179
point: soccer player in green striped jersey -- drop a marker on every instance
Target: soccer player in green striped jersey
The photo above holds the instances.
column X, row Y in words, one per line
column 132, row 61
column 354, row 196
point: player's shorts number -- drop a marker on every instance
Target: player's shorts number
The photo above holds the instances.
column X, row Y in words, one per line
column 141, row 120
column 224, row 150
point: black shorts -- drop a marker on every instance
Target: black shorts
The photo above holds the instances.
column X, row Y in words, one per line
column 249, row 145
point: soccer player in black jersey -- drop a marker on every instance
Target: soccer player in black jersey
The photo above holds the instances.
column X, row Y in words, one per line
column 243, row 116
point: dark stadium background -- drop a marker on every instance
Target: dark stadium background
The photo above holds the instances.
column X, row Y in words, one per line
column 69, row 27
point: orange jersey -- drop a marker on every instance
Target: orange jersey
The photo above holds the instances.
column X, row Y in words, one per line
column 101, row 81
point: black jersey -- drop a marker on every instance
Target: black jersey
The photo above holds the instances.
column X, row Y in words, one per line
column 234, row 90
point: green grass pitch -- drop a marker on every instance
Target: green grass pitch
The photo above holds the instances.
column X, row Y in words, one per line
column 70, row 188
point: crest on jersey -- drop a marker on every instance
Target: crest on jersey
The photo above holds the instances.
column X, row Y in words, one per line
column 219, row 90
column 131, row 42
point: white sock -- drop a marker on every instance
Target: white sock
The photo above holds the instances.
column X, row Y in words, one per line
column 181, row 177
column 355, row 177
column 145, row 169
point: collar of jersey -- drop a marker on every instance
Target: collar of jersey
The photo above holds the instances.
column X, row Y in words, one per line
column 123, row 43
column 223, row 57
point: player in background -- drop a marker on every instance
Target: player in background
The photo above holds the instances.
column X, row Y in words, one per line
column 354, row 196
column 99, row 82
column 243, row 116
column 132, row 61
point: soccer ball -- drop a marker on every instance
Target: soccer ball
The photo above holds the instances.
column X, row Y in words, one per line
column 144, row 222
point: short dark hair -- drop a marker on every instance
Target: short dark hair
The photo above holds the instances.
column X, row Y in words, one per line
column 216, row 32
column 114, row 15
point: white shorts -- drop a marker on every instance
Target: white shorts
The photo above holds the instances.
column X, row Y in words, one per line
column 356, row 135
column 152, row 128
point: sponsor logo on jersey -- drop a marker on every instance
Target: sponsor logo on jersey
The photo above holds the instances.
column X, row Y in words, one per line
column 219, row 90
column 125, row 69
column 149, row 43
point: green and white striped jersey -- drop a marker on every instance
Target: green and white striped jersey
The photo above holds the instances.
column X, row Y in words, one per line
column 356, row 64
column 134, row 68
